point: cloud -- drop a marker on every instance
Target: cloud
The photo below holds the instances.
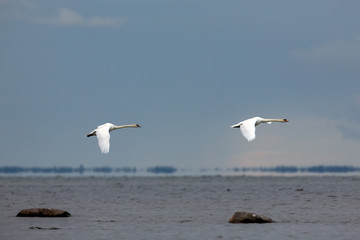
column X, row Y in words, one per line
column 68, row 17
column 17, row 3
column 348, row 122
column 341, row 51
column 11, row 10
column 349, row 132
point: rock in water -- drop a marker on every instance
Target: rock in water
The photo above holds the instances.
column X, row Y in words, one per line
column 43, row 212
column 42, row 228
column 246, row 217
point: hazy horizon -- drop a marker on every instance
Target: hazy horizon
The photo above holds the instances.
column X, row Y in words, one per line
column 185, row 71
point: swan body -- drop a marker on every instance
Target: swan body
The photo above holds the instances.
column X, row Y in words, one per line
column 247, row 127
column 103, row 134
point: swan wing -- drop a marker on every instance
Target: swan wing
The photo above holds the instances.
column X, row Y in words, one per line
column 103, row 137
column 248, row 130
column 236, row 125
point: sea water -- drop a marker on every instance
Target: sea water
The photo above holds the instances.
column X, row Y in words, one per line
column 306, row 207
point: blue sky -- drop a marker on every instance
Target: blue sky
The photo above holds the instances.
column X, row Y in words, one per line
column 185, row 71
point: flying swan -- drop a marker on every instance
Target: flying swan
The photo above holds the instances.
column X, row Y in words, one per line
column 247, row 127
column 103, row 134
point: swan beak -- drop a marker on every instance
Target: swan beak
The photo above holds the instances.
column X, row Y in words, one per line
column 285, row 120
column 137, row 125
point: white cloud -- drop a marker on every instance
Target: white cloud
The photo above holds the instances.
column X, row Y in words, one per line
column 15, row 9
column 68, row 17
column 338, row 52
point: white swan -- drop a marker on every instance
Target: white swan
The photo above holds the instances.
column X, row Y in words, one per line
column 103, row 134
column 247, row 127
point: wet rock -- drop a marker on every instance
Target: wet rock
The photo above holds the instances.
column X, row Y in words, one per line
column 185, row 221
column 105, row 221
column 246, row 217
column 43, row 212
column 42, row 228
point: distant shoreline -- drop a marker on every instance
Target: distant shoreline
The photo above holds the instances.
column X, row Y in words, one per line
column 169, row 170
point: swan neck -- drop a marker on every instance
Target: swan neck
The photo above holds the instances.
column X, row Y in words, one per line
column 273, row 120
column 124, row 126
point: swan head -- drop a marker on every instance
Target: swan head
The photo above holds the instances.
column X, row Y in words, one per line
column 137, row 125
column 285, row 120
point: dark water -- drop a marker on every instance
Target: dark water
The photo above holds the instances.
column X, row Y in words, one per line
column 182, row 207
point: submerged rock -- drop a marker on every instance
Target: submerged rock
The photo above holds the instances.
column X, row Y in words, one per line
column 43, row 212
column 246, row 217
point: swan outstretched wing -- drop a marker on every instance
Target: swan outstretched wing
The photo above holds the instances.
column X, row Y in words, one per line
column 247, row 127
column 248, row 130
column 103, row 137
